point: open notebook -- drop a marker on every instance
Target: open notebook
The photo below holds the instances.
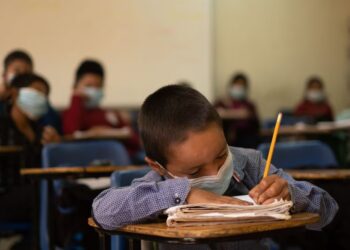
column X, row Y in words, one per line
column 212, row 214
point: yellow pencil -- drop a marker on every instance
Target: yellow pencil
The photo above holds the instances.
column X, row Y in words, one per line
column 272, row 146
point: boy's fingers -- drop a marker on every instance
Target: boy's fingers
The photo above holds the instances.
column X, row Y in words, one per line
column 273, row 190
column 284, row 194
column 261, row 187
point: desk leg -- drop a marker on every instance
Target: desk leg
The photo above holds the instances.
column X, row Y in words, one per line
column 134, row 244
column 102, row 241
column 35, row 217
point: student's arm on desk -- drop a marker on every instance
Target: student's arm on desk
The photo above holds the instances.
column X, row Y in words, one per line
column 306, row 197
column 144, row 199
column 147, row 198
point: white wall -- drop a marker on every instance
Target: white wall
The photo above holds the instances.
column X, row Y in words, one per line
column 280, row 43
column 143, row 44
column 146, row 44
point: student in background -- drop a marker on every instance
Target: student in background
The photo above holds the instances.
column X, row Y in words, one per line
column 192, row 163
column 242, row 129
column 27, row 102
column 20, row 62
column 315, row 104
column 85, row 116
column 16, row 62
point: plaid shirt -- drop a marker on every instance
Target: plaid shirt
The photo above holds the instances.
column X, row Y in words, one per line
column 147, row 197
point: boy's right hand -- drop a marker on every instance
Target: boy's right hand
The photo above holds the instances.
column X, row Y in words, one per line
column 197, row 195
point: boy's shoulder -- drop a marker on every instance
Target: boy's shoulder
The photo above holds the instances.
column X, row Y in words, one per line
column 245, row 154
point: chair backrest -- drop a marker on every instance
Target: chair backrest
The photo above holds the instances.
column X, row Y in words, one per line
column 301, row 154
column 84, row 153
column 124, row 178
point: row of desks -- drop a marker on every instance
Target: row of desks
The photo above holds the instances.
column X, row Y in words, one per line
column 60, row 172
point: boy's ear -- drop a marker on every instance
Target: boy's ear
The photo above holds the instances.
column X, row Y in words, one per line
column 155, row 166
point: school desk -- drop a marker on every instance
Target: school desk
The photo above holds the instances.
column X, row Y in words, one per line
column 108, row 134
column 10, row 149
column 159, row 232
column 229, row 114
column 324, row 128
column 53, row 173
column 320, row 174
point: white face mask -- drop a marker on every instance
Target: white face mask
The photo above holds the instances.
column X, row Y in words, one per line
column 315, row 95
column 95, row 96
column 32, row 102
column 214, row 183
column 238, row 92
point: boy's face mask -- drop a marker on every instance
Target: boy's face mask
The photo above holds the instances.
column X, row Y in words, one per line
column 95, row 96
column 214, row 183
column 32, row 102
column 315, row 95
column 238, row 92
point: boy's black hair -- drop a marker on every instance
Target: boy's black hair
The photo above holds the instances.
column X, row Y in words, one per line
column 89, row 67
column 25, row 80
column 313, row 79
column 239, row 77
column 17, row 55
column 167, row 116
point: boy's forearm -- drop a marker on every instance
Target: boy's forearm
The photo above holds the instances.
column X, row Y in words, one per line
column 307, row 197
column 116, row 207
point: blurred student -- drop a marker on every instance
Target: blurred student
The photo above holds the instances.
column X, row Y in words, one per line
column 241, row 125
column 28, row 95
column 16, row 62
column 85, row 116
column 20, row 62
column 315, row 104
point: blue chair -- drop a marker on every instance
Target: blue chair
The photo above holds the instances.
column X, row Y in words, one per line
column 300, row 154
column 75, row 154
column 122, row 179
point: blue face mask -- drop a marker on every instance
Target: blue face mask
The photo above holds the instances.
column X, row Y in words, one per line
column 32, row 102
column 94, row 95
column 218, row 183
column 238, row 92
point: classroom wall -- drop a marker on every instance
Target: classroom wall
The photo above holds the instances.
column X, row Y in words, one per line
column 280, row 44
column 143, row 44
column 146, row 44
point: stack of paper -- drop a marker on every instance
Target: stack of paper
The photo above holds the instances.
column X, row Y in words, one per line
column 213, row 214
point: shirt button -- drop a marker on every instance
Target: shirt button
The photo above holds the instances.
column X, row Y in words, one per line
column 177, row 200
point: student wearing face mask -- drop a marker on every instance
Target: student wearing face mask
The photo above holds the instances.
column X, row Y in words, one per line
column 20, row 62
column 243, row 129
column 192, row 163
column 85, row 116
column 16, row 62
column 27, row 103
column 315, row 104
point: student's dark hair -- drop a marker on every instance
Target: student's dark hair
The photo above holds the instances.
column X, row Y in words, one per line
column 314, row 79
column 17, row 55
column 167, row 116
column 239, row 77
column 89, row 67
column 25, row 80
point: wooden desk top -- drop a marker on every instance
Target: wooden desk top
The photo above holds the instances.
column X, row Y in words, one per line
column 215, row 231
column 319, row 174
column 105, row 134
column 10, row 149
column 71, row 171
column 321, row 128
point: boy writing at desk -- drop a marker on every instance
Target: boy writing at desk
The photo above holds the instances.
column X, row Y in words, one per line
column 192, row 163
